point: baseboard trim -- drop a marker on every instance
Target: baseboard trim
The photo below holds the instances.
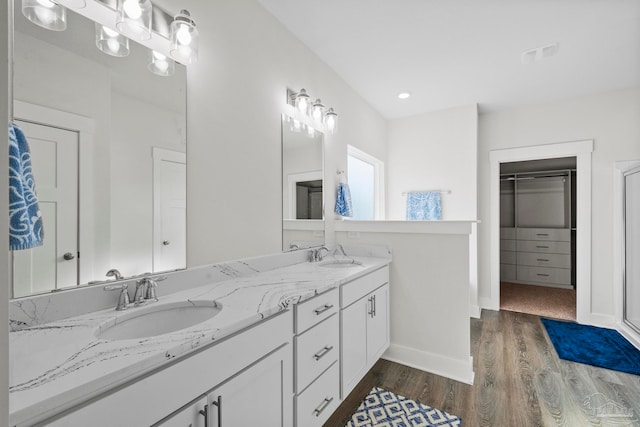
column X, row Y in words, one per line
column 474, row 311
column 601, row 320
column 629, row 334
column 457, row 370
column 488, row 303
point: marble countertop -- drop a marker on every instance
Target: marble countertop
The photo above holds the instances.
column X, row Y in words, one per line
column 58, row 365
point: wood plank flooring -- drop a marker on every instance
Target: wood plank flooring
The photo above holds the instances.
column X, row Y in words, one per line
column 520, row 382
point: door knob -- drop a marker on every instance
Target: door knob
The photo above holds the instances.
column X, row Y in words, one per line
column 68, row 256
column 166, row 242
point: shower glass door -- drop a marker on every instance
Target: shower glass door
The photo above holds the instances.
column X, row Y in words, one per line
column 632, row 248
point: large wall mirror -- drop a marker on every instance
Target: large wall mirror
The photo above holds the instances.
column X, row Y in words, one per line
column 302, row 185
column 108, row 147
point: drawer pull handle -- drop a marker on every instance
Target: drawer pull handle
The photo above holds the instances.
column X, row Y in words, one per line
column 322, row 353
column 218, row 404
column 322, row 309
column 542, row 275
column 542, row 260
column 542, row 247
column 542, row 234
column 323, row 406
column 205, row 413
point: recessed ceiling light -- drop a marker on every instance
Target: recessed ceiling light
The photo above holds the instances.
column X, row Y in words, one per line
column 404, row 95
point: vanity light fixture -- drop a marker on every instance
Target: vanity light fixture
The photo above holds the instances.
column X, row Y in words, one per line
column 317, row 111
column 331, row 121
column 111, row 42
column 302, row 101
column 184, row 38
column 46, row 14
column 161, row 65
column 72, row 4
column 133, row 18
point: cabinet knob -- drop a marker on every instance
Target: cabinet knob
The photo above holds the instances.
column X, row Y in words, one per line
column 166, row 243
column 68, row 256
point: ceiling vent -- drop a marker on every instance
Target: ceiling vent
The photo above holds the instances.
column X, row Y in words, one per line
column 539, row 53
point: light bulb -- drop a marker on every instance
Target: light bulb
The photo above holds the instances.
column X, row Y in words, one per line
column 46, row 16
column 132, row 9
column 113, row 45
column 310, row 131
column 159, row 56
column 108, row 31
column 46, row 3
column 184, row 35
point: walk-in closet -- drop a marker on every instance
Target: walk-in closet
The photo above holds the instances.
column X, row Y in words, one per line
column 538, row 235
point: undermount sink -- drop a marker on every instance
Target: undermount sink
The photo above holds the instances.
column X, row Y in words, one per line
column 159, row 319
column 339, row 263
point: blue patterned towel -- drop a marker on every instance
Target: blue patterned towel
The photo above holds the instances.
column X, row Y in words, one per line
column 343, row 200
column 25, row 222
column 424, row 206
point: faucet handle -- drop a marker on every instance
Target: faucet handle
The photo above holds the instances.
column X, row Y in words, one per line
column 123, row 299
column 151, row 290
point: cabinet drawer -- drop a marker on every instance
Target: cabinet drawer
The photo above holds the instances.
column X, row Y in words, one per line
column 507, row 233
column 318, row 402
column 544, row 260
column 559, row 276
column 507, row 257
column 507, row 245
column 356, row 289
column 552, row 234
column 507, row 272
column 544, row 247
column 316, row 310
column 316, row 350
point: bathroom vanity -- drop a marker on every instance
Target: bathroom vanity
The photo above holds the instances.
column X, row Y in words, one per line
column 284, row 340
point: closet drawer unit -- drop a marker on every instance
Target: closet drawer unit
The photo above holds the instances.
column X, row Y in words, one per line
column 543, row 260
column 546, row 234
column 507, row 233
column 316, row 350
column 560, row 276
column 316, row 310
column 314, row 406
column 507, row 257
column 544, row 247
column 507, row 245
column 507, row 272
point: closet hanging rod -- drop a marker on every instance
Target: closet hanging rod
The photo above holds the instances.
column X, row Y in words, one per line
column 525, row 178
column 404, row 193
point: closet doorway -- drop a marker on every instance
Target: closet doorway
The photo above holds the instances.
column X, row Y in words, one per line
column 538, row 237
column 582, row 151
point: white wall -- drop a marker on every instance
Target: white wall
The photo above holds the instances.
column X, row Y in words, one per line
column 236, row 94
column 434, row 151
column 5, row 95
column 611, row 120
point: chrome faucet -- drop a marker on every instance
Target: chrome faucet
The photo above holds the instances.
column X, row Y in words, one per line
column 146, row 290
column 123, row 298
column 114, row 272
column 317, row 254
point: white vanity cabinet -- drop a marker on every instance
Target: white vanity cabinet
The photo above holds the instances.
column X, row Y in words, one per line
column 258, row 396
column 317, row 343
column 252, row 371
column 364, row 315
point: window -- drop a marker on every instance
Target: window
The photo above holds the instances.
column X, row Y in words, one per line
column 366, row 182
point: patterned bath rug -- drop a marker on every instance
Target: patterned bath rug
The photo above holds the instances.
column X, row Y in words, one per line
column 382, row 408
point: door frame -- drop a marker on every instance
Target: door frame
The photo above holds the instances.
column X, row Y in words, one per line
column 620, row 171
column 85, row 127
column 582, row 151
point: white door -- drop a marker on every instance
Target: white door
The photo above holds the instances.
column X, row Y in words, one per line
column 54, row 265
column 378, row 325
column 353, row 347
column 632, row 249
column 169, row 210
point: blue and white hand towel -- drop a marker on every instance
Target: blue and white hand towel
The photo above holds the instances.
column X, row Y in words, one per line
column 25, row 222
column 424, row 206
column 343, row 200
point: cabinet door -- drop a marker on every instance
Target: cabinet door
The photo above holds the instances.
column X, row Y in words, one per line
column 187, row 417
column 354, row 344
column 378, row 324
column 261, row 395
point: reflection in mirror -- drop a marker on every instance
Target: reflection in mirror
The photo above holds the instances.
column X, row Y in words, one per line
column 108, row 147
column 302, row 186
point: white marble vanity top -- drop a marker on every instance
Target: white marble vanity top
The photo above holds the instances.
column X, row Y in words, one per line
column 58, row 365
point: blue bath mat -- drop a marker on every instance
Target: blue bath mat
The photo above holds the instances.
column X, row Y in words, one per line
column 591, row 345
column 383, row 408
